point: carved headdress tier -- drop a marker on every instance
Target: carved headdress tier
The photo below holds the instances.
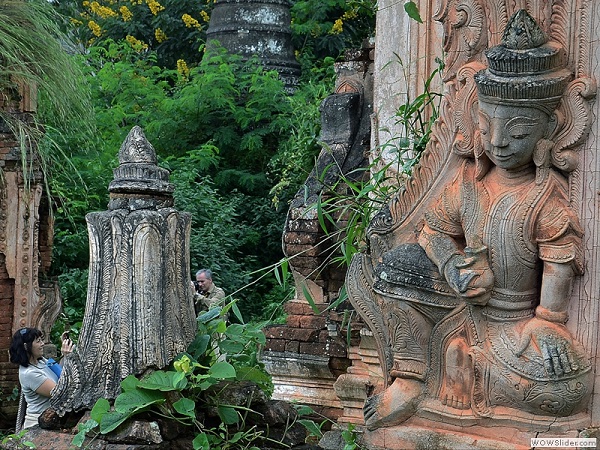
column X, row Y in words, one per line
column 524, row 67
column 138, row 173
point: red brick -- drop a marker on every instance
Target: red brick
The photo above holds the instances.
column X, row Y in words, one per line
column 306, row 261
column 302, row 251
column 336, row 349
column 293, row 334
column 292, row 346
column 323, row 336
column 305, row 238
column 275, row 345
column 311, row 348
column 302, row 308
column 293, row 321
column 304, row 225
column 312, row 321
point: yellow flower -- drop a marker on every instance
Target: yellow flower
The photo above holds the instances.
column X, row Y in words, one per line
column 154, row 6
column 337, row 27
column 75, row 21
column 182, row 68
column 86, row 4
column 102, row 11
column 96, row 30
column 190, row 21
column 160, row 35
column 205, row 16
column 136, row 44
column 125, row 13
column 350, row 14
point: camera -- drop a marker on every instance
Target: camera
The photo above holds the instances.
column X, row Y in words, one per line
column 197, row 287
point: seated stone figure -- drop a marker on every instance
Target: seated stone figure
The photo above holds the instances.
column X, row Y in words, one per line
column 471, row 313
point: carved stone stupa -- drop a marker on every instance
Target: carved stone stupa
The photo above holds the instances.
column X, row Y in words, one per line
column 139, row 313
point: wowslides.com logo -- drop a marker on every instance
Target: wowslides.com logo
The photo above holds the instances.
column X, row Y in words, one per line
column 563, row 442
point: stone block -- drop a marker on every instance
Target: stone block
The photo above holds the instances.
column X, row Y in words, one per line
column 293, row 321
column 298, row 238
column 294, row 334
column 312, row 226
column 313, row 348
column 275, row 345
column 302, row 251
column 302, row 308
column 292, row 346
column 313, row 321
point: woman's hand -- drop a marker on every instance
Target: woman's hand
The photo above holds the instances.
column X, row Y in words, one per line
column 67, row 344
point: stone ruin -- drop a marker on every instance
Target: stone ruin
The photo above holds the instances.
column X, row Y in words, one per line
column 309, row 352
column 257, row 28
column 28, row 297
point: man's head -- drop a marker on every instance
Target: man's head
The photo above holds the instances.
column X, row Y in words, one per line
column 204, row 279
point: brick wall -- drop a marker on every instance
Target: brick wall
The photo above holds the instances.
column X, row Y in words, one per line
column 8, row 371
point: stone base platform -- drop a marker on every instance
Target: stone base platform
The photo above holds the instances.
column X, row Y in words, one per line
column 424, row 434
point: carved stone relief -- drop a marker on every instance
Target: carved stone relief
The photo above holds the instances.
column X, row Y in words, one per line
column 468, row 283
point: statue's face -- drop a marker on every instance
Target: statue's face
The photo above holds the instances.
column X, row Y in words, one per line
column 509, row 133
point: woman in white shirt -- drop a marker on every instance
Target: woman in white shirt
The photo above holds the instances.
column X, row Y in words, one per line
column 36, row 378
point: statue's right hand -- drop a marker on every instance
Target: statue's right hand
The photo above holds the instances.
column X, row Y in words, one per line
column 470, row 279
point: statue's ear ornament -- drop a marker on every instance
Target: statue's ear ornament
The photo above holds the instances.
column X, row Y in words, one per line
column 466, row 110
column 574, row 119
column 541, row 158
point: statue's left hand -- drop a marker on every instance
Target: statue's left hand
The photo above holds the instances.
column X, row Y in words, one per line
column 553, row 342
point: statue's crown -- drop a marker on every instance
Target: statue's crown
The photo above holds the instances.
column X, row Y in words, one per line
column 525, row 65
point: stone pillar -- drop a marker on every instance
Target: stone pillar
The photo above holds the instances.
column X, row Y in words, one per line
column 257, row 27
column 139, row 313
column 26, row 230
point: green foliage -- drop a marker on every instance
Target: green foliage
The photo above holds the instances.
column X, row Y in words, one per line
column 416, row 116
column 315, row 430
column 17, row 440
column 220, row 352
column 174, row 29
column 412, row 10
column 226, row 133
column 322, row 28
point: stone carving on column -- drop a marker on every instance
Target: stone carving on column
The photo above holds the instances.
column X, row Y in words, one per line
column 139, row 313
column 467, row 283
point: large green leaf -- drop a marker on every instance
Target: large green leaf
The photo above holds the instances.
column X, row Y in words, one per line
column 112, row 420
column 185, row 407
column 200, row 442
column 199, row 345
column 228, row 414
column 222, row 370
column 412, row 10
column 132, row 401
column 164, row 381
column 100, row 408
column 130, row 383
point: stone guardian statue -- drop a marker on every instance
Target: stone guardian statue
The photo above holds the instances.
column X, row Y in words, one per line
column 471, row 312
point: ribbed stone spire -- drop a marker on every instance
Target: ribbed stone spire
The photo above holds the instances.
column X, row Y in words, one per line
column 138, row 178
